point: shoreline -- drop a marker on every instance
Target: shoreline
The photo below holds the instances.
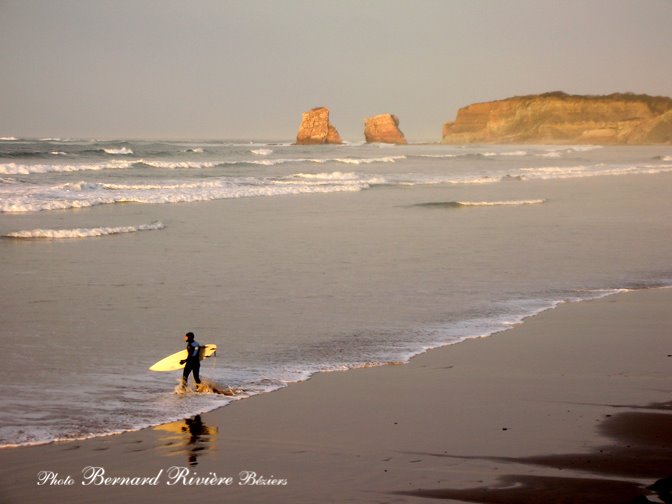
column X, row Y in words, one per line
column 575, row 400
column 503, row 327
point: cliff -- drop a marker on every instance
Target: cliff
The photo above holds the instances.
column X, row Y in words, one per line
column 316, row 129
column 559, row 118
column 383, row 128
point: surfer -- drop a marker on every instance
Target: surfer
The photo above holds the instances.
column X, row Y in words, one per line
column 193, row 364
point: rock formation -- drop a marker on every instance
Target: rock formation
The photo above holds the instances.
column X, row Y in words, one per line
column 383, row 128
column 316, row 129
column 559, row 118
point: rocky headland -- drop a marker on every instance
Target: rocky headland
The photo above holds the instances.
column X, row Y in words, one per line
column 316, row 129
column 559, row 118
column 383, row 128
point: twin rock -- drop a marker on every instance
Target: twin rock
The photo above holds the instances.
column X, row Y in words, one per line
column 316, row 129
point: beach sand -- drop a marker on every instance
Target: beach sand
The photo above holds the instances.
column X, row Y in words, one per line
column 573, row 405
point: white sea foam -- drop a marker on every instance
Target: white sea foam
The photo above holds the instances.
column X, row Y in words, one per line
column 505, row 153
column 147, row 187
column 598, row 170
column 175, row 165
column 559, row 151
column 559, row 171
column 327, row 176
column 84, row 194
column 584, row 148
column 358, row 161
column 502, row 203
column 414, row 179
column 262, row 152
column 440, row 156
column 462, row 204
column 25, row 197
column 125, row 151
column 27, row 169
column 337, row 181
column 8, row 139
column 83, row 232
column 474, row 154
column 350, row 161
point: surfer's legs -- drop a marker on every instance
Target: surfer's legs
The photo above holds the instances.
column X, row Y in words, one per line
column 185, row 373
column 189, row 368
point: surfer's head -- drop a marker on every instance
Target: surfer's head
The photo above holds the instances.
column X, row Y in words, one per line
column 189, row 336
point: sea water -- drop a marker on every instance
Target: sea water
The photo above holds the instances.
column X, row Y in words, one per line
column 293, row 260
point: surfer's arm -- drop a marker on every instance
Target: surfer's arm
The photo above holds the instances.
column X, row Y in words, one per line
column 188, row 354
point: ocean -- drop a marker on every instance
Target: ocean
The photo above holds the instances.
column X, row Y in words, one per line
column 293, row 260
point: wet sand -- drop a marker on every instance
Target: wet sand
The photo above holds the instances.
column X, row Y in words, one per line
column 571, row 406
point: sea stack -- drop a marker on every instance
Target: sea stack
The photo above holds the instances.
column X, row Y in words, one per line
column 560, row 118
column 383, row 128
column 316, row 129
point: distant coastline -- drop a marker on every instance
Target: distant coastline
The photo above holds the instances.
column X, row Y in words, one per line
column 560, row 118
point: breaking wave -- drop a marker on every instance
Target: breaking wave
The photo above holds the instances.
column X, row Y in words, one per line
column 464, row 204
column 473, row 155
column 25, row 169
column 174, row 165
column 124, row 151
column 53, row 234
column 327, row 176
column 505, row 153
column 30, row 198
column 599, row 170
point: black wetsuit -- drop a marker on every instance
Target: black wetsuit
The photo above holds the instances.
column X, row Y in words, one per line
column 193, row 364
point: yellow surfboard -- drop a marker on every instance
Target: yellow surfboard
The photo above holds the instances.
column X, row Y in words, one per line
column 172, row 362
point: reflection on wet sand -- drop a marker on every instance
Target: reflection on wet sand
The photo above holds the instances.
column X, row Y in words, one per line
column 190, row 437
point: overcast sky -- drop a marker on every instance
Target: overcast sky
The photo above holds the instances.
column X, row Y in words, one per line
column 247, row 69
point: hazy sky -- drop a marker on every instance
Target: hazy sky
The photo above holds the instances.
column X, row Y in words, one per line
column 247, row 69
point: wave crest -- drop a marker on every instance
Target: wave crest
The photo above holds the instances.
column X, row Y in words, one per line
column 123, row 151
column 327, row 176
column 21, row 169
column 53, row 234
column 464, row 204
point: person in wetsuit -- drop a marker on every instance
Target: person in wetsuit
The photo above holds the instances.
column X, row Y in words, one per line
column 192, row 362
